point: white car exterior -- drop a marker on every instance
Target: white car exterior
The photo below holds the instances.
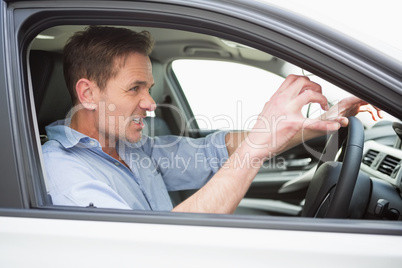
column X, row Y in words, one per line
column 33, row 234
column 67, row 243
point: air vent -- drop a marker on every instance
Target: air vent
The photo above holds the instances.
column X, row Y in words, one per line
column 388, row 165
column 369, row 157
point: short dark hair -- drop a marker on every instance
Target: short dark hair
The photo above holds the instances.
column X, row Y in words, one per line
column 92, row 53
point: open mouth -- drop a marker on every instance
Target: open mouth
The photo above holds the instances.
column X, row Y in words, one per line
column 139, row 121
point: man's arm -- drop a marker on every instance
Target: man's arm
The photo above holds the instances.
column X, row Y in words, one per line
column 276, row 127
column 234, row 139
column 279, row 126
column 346, row 107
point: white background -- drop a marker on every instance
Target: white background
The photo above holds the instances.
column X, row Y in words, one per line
column 377, row 23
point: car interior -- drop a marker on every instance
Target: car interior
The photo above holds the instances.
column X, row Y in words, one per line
column 282, row 184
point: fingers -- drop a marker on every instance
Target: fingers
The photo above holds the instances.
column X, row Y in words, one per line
column 350, row 101
column 308, row 96
column 343, row 121
column 299, row 91
column 373, row 111
column 295, row 85
column 351, row 106
column 380, row 113
column 361, row 106
column 325, row 125
column 322, row 126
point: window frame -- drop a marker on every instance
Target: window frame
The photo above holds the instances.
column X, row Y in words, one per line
column 30, row 18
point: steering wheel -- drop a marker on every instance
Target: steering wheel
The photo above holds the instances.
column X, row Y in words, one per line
column 331, row 189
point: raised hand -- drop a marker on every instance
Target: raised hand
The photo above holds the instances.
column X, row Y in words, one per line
column 350, row 106
column 281, row 118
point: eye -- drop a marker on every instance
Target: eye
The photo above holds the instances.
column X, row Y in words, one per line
column 136, row 88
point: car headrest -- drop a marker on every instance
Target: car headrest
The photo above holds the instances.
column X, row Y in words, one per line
column 52, row 100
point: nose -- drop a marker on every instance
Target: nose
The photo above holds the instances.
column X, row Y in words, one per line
column 147, row 103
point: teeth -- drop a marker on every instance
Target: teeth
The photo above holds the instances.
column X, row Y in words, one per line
column 137, row 120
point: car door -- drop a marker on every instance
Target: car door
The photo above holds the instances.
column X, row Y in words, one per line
column 36, row 233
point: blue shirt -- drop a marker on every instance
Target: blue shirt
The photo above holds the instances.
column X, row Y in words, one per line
column 80, row 173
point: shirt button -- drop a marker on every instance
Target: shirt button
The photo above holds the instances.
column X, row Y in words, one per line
column 117, row 163
column 92, row 143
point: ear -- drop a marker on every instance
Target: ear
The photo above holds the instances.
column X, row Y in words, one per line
column 85, row 90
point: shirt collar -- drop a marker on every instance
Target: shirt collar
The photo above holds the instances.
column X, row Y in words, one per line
column 68, row 137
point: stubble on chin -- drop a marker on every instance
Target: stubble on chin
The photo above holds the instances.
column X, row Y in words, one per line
column 132, row 136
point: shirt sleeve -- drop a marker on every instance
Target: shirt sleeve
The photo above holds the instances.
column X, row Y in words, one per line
column 186, row 163
column 71, row 183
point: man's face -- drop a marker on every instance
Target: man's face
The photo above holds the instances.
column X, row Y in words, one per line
column 124, row 101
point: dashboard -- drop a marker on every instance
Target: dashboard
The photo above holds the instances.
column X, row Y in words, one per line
column 382, row 162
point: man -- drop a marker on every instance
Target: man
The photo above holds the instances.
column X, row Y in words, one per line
column 99, row 157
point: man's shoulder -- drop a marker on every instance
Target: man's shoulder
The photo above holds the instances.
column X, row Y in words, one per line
column 62, row 137
column 53, row 147
column 58, row 158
